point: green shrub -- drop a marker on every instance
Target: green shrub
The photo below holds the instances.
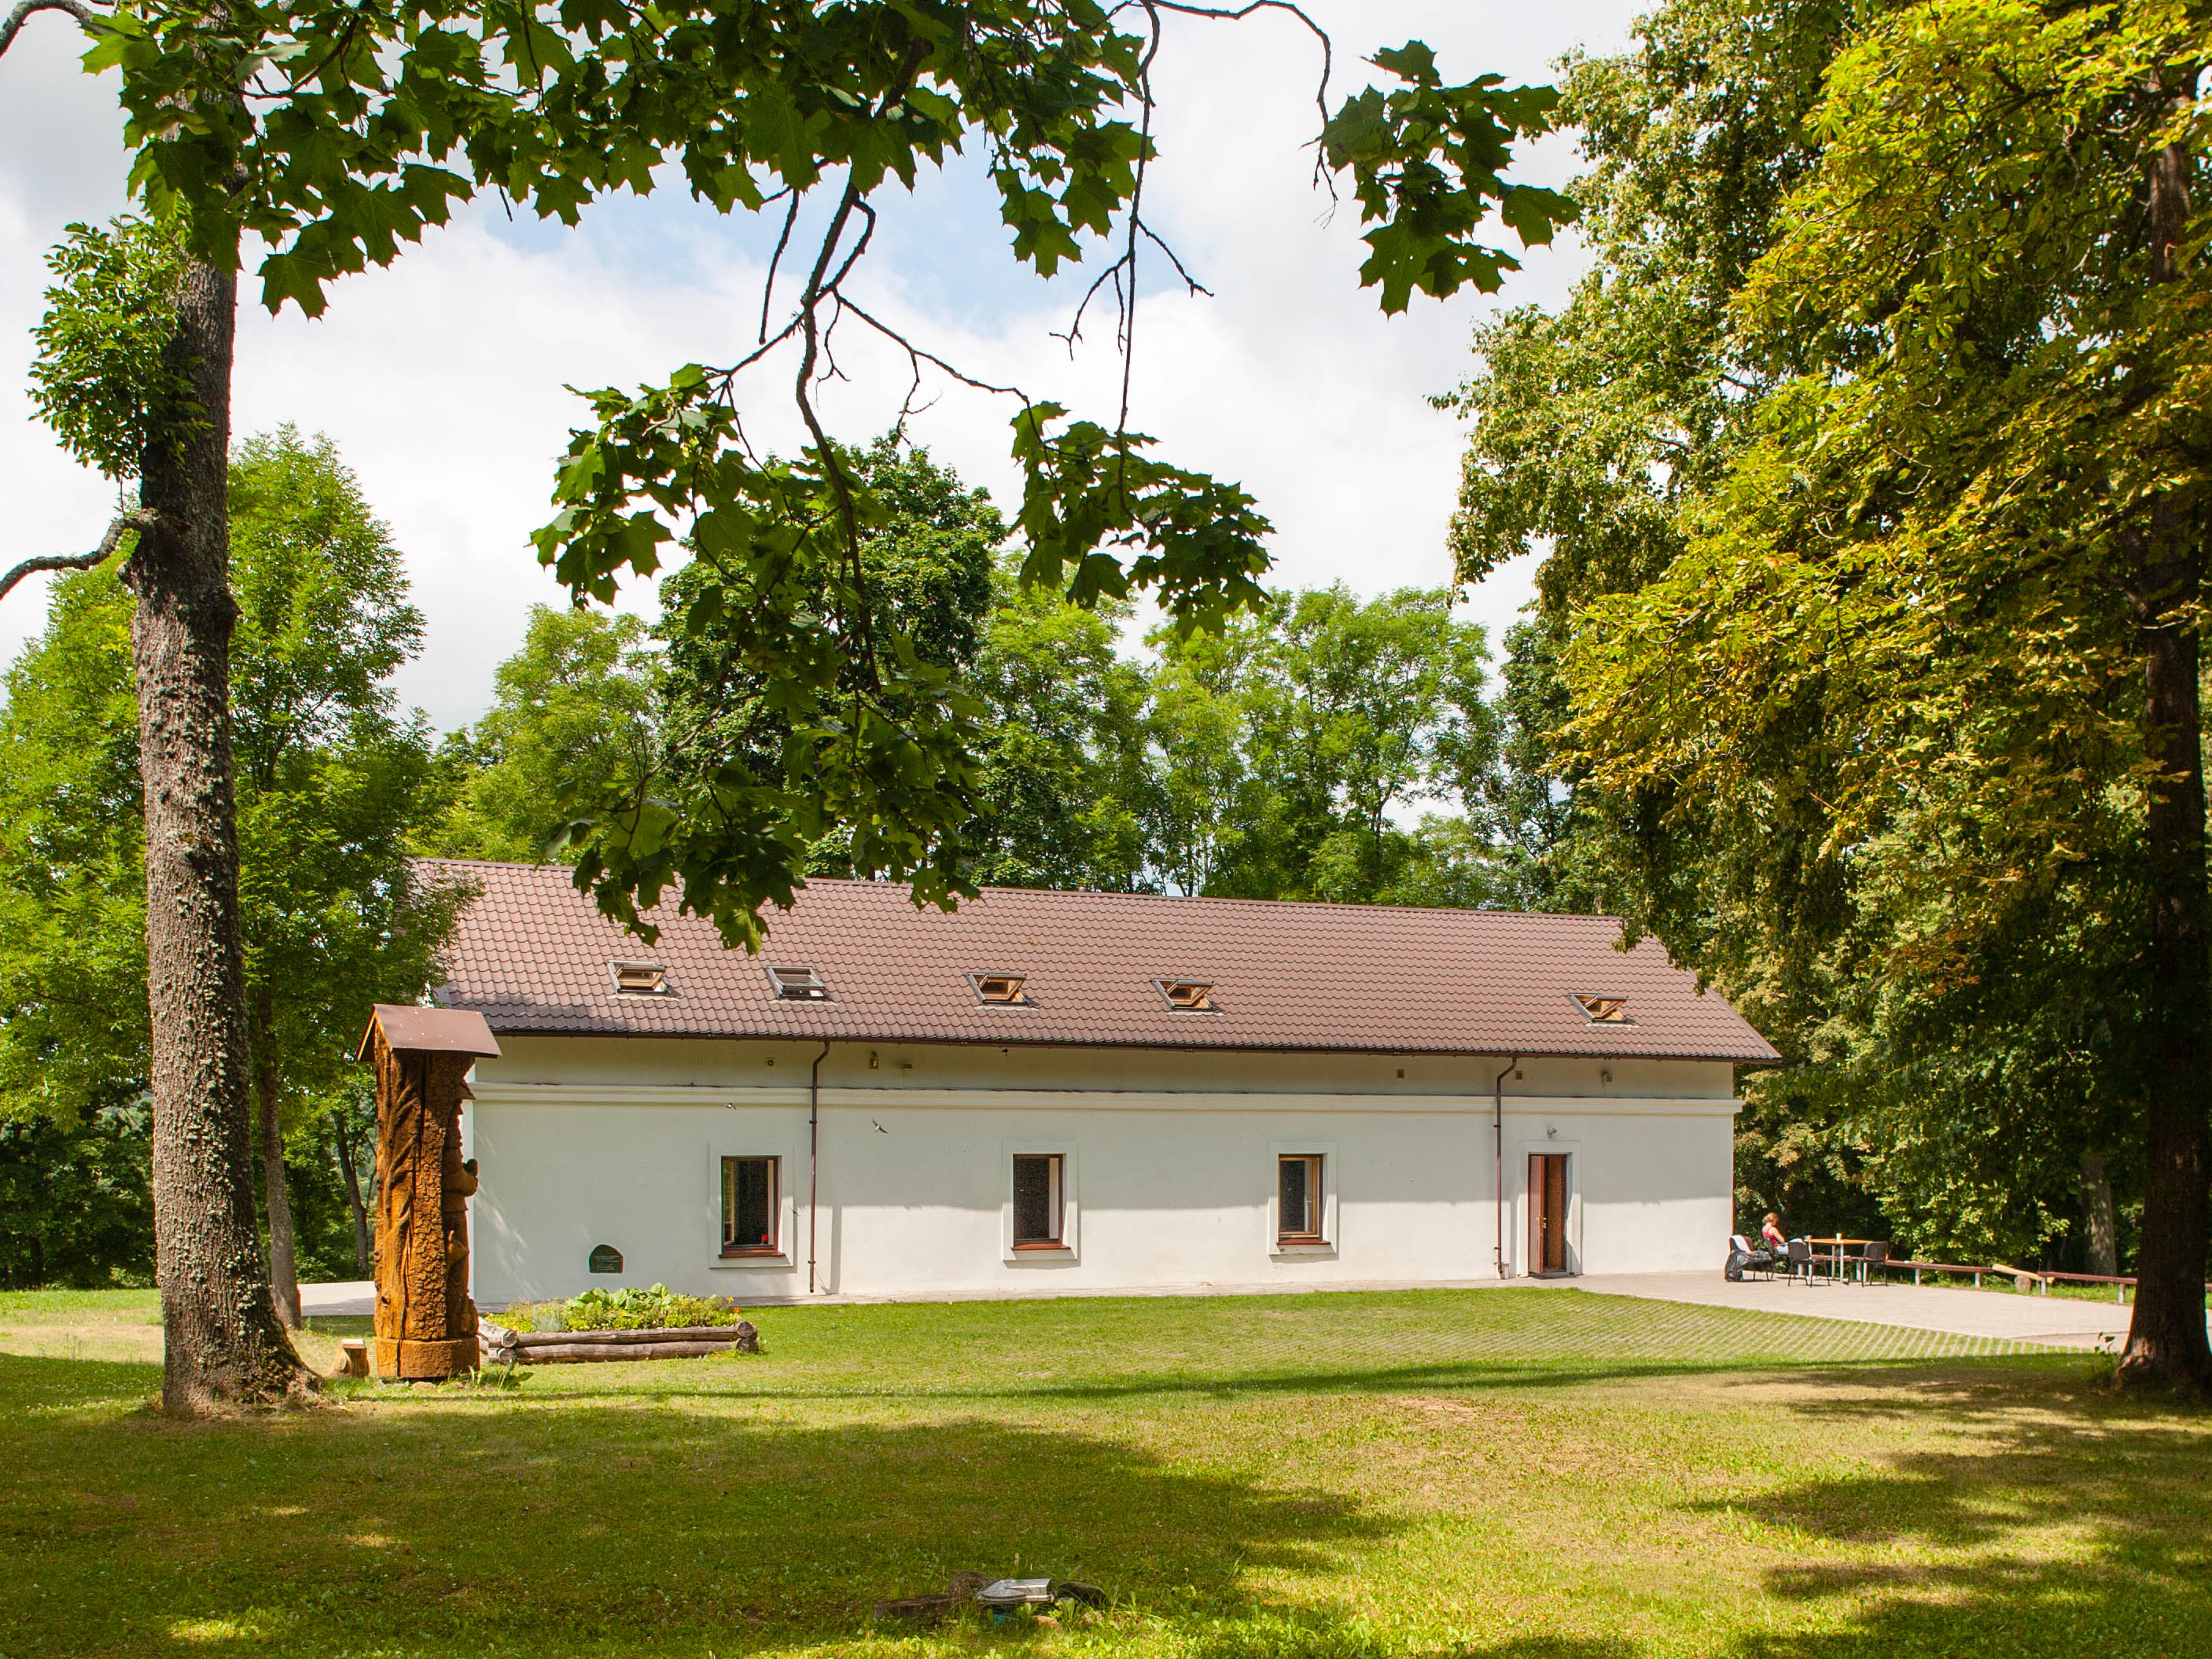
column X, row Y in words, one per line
column 653, row 1308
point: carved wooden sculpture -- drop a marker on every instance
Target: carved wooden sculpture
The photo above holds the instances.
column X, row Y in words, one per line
column 426, row 1325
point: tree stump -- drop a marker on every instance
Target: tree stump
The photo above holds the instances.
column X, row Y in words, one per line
column 425, row 1325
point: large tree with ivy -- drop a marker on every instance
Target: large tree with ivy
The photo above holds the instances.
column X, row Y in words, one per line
column 336, row 133
column 1911, row 707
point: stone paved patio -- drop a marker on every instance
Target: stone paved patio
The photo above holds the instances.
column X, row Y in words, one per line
column 2062, row 1321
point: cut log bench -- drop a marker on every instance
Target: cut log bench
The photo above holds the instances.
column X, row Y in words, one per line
column 501, row 1347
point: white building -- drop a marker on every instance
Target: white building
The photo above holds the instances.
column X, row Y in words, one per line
column 1077, row 1092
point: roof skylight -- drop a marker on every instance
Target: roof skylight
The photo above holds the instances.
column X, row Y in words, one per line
column 1188, row 996
column 1603, row 1011
column 798, row 985
column 642, row 979
column 1004, row 990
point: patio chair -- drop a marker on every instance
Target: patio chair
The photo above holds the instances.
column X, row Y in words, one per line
column 1800, row 1260
column 1745, row 1260
column 1874, row 1253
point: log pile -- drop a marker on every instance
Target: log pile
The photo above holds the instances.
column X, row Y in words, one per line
column 501, row 1347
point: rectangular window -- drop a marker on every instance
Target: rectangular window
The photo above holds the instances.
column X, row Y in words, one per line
column 1299, row 1192
column 1039, row 1201
column 749, row 1207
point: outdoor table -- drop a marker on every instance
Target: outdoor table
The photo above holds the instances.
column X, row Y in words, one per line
column 1830, row 1249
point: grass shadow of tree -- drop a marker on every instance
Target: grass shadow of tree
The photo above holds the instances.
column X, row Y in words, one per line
column 2117, row 1487
column 636, row 1527
column 1311, row 1634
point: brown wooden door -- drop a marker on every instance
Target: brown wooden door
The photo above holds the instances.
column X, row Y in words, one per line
column 1548, row 1212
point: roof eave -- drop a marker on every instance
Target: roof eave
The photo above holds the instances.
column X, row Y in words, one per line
column 1740, row 1057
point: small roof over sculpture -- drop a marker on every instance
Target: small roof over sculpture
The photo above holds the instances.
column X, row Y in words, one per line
column 428, row 1031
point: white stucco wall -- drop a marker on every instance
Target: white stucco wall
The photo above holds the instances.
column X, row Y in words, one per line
column 1170, row 1166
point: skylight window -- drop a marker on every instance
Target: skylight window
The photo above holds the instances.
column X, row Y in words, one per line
column 1004, row 990
column 1188, row 996
column 1603, row 1011
column 798, row 985
column 639, row 978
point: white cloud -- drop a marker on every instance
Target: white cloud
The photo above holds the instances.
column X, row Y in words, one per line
column 441, row 379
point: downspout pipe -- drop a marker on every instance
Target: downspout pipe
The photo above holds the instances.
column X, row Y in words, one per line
column 1497, row 1120
column 813, row 1155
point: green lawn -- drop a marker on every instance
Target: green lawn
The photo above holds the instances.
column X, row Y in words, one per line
column 1532, row 1473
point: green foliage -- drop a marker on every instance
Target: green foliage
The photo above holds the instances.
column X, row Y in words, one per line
column 924, row 561
column 101, row 379
column 361, row 127
column 654, row 1308
column 1283, row 744
column 1427, row 161
column 331, row 780
column 72, row 905
column 573, row 721
column 76, row 1203
column 1859, row 449
column 1064, row 782
column 878, row 753
column 331, row 783
column 371, row 123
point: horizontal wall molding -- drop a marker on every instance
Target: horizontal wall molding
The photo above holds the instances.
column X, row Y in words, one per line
column 716, row 1096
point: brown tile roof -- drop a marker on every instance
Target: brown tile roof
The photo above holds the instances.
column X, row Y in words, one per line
column 533, row 955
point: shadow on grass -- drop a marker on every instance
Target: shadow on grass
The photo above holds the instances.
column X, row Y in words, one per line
column 614, row 1524
column 654, row 1520
column 1309, row 1635
column 2118, row 1488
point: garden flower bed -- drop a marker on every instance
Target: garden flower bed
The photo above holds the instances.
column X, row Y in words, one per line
column 657, row 1323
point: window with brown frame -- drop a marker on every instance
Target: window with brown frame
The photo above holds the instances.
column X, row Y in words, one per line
column 1299, row 1199
column 1040, row 1200
column 749, row 1207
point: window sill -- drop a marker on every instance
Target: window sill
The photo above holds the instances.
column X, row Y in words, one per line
column 1302, row 1246
column 753, row 1258
column 1021, row 1253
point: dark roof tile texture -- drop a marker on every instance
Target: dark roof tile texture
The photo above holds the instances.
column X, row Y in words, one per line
column 533, row 955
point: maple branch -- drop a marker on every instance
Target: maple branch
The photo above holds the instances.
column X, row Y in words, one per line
column 9, row 30
column 141, row 519
column 1238, row 14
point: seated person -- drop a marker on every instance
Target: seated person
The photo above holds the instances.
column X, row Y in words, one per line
column 1770, row 1233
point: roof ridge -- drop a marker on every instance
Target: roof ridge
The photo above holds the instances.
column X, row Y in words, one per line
column 1225, row 900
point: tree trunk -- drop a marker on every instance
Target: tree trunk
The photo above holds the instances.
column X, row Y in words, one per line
column 222, row 1346
column 360, row 1256
column 2166, row 1338
column 284, row 1256
column 2097, row 1210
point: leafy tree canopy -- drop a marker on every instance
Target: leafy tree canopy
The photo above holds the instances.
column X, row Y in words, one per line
column 336, row 134
column 330, row 781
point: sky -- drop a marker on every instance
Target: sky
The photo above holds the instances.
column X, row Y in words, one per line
column 441, row 379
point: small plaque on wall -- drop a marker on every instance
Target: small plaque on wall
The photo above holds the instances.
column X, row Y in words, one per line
column 605, row 1258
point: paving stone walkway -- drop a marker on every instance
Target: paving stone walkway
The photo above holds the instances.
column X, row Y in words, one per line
column 351, row 1299
column 2059, row 1321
